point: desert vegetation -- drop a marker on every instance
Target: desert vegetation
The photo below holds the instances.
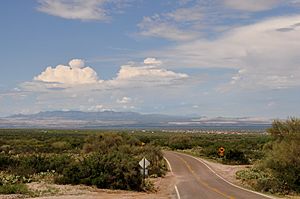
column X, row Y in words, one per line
column 109, row 159
column 244, row 148
column 279, row 170
column 102, row 159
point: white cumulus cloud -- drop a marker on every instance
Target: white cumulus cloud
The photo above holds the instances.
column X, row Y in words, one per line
column 152, row 61
column 145, row 76
column 148, row 73
column 74, row 73
column 76, row 63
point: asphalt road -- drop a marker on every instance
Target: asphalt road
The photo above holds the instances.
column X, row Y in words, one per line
column 196, row 180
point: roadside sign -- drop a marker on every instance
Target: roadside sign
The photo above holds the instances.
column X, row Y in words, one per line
column 221, row 151
column 144, row 163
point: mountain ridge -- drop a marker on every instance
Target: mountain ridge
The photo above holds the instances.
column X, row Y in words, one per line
column 113, row 119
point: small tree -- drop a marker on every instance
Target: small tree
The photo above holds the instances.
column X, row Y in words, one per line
column 180, row 142
column 283, row 154
column 285, row 129
column 235, row 156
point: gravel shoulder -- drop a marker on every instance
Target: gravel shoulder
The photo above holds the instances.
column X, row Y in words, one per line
column 226, row 171
column 163, row 189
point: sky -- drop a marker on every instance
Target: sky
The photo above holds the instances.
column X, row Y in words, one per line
column 230, row 58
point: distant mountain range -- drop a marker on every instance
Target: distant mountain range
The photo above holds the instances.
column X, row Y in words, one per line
column 112, row 119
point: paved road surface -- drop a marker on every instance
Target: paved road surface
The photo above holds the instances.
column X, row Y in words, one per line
column 196, row 180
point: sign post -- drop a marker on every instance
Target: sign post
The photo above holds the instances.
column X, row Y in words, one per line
column 144, row 163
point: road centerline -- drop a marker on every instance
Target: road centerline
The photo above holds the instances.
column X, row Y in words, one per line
column 254, row 192
column 202, row 182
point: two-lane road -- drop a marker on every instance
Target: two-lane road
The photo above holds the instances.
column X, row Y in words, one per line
column 196, row 180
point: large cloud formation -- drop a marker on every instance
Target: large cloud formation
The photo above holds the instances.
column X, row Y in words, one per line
column 74, row 73
column 76, row 86
column 264, row 54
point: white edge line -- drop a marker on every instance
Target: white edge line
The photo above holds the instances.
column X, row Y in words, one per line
column 177, row 192
column 169, row 165
column 176, row 189
column 261, row 194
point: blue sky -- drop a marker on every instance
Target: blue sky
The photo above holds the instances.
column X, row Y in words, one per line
column 229, row 58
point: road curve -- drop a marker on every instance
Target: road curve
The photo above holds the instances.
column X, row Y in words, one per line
column 196, row 180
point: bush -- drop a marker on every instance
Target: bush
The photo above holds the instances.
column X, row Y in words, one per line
column 283, row 155
column 234, row 156
column 6, row 178
column 6, row 161
column 284, row 163
column 115, row 170
column 180, row 142
column 157, row 167
column 61, row 145
column 281, row 165
column 30, row 164
column 261, row 180
column 106, row 160
column 14, row 189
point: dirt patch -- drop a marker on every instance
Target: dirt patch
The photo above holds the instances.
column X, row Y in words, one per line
column 292, row 197
column 164, row 188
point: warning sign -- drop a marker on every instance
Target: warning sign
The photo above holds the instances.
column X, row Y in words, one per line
column 221, row 151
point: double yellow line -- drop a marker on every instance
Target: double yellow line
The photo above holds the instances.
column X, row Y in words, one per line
column 201, row 182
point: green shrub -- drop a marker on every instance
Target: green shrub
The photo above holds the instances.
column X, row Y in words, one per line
column 180, row 142
column 234, row 156
column 114, row 170
column 106, row 160
column 61, row 145
column 279, row 170
column 261, row 180
column 156, row 158
column 283, row 154
column 14, row 189
column 7, row 178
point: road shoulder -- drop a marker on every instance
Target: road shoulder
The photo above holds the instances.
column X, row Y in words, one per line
column 163, row 186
